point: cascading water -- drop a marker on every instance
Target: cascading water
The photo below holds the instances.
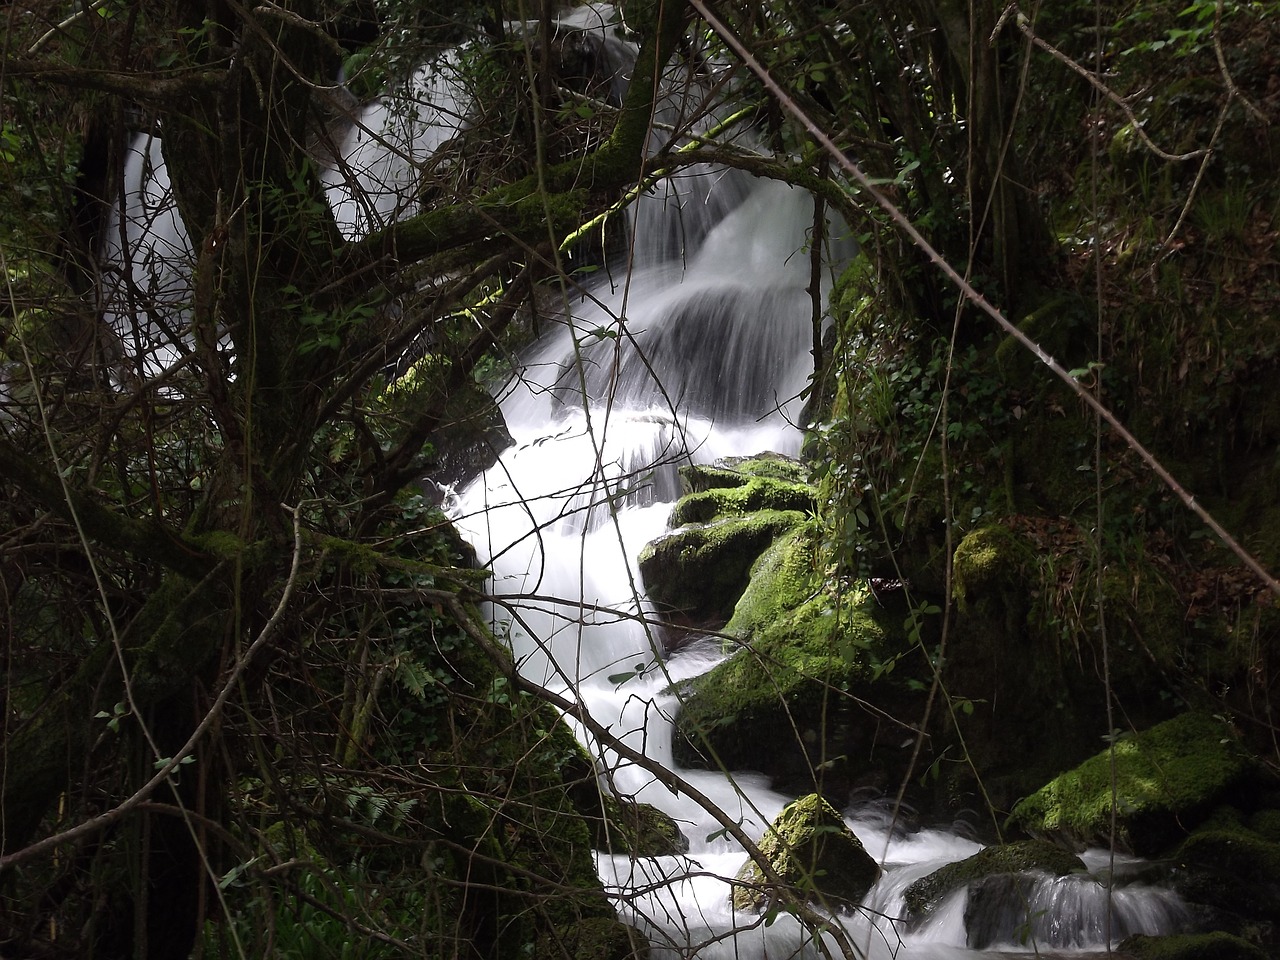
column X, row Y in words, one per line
column 693, row 347
column 691, row 360
column 699, row 350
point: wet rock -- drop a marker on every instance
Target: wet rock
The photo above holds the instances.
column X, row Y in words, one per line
column 1010, row 859
column 814, row 853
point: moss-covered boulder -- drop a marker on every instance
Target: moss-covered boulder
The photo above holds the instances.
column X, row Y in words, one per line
column 1190, row 946
column 1026, row 856
column 636, row 829
column 730, row 512
column 729, row 492
column 696, row 574
column 814, row 853
column 1231, row 876
column 778, row 705
column 985, row 562
column 616, row 825
column 1167, row 779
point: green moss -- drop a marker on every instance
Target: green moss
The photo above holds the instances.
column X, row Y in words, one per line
column 986, row 562
column 1266, row 824
column 812, row 851
column 1191, row 946
column 1233, row 870
column 700, row 572
column 594, row 938
column 638, row 830
column 756, row 493
column 1023, row 857
column 800, row 643
column 1167, row 778
column 1237, row 853
column 737, row 471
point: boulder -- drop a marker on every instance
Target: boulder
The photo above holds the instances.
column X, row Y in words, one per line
column 594, row 938
column 1230, row 875
column 696, row 574
column 813, row 852
column 636, row 829
column 1027, row 856
column 1167, row 779
column 775, row 706
column 1190, row 946
column 730, row 513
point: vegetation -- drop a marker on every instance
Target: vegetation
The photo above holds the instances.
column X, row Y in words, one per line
column 249, row 703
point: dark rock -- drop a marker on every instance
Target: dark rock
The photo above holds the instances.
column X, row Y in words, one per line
column 1026, row 856
column 1191, row 946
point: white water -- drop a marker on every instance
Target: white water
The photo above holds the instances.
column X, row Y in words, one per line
column 698, row 351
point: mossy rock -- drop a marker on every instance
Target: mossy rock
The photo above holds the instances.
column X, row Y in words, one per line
column 616, row 825
column 1167, row 779
column 594, row 938
column 756, row 493
column 800, row 646
column 1266, row 824
column 697, row 574
column 1190, row 946
column 986, row 562
column 813, row 852
column 1231, row 869
column 1025, row 856
column 637, row 830
column 737, row 471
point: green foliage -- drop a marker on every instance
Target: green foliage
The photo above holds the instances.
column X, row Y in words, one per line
column 879, row 461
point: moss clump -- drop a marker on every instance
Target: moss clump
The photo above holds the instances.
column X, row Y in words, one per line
column 737, row 471
column 814, row 853
column 1231, row 869
column 986, row 562
column 637, row 829
column 697, row 574
column 1026, row 856
column 1266, row 824
column 1190, row 946
column 800, row 643
column 1167, row 779
column 757, row 493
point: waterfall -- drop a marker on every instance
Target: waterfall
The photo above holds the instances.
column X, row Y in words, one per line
column 690, row 345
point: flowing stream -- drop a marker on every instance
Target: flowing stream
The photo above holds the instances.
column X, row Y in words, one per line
column 707, row 361
column 693, row 345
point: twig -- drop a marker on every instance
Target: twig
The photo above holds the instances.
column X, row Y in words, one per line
column 1024, row 25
